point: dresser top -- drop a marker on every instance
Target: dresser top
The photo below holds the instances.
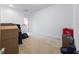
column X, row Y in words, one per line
column 7, row 26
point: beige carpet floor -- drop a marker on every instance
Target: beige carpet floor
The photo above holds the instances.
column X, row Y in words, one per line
column 40, row 45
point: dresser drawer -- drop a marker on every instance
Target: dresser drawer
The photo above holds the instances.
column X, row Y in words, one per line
column 7, row 34
column 9, row 42
column 11, row 50
column 0, row 39
column 10, row 45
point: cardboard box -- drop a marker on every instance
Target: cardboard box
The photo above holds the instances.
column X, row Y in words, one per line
column 9, row 38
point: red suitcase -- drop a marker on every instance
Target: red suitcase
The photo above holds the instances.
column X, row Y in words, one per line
column 67, row 32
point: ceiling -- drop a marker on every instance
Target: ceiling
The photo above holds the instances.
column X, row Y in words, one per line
column 27, row 8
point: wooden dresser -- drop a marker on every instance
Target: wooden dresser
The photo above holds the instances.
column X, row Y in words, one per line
column 9, row 38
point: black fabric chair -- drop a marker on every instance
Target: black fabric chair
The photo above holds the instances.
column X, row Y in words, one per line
column 24, row 36
column 20, row 35
column 68, row 50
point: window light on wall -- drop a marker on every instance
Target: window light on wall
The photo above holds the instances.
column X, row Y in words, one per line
column 26, row 21
column 11, row 5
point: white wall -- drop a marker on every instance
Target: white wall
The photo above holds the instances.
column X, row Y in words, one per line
column 50, row 21
column 0, row 14
column 76, row 25
column 9, row 15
